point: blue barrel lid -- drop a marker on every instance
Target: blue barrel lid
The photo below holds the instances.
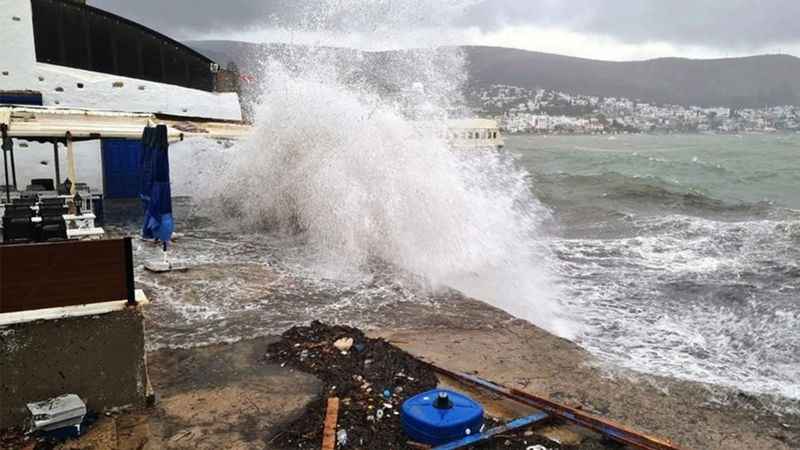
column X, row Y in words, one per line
column 429, row 419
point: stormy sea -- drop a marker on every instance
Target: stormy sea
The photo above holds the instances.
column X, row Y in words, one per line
column 679, row 254
column 671, row 255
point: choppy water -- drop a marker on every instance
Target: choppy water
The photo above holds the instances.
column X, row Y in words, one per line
column 679, row 253
column 674, row 255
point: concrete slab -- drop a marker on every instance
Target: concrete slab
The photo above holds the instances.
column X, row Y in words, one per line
column 100, row 358
column 220, row 396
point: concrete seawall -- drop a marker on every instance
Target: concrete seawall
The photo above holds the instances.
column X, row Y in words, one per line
column 100, row 358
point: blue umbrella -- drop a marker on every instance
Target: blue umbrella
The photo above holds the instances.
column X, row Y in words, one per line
column 155, row 187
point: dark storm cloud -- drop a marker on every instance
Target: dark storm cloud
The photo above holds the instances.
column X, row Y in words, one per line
column 713, row 23
column 721, row 24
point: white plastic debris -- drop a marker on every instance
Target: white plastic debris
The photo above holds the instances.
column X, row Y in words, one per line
column 341, row 438
column 343, row 344
column 56, row 413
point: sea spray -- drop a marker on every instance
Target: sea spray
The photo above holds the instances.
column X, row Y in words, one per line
column 336, row 159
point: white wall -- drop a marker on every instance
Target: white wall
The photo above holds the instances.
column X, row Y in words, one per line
column 59, row 85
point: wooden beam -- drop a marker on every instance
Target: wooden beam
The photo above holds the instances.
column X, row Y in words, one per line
column 329, row 428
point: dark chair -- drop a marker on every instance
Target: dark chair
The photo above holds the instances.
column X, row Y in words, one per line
column 52, row 201
column 29, row 201
column 47, row 184
column 53, row 227
column 57, row 210
column 18, row 230
column 17, row 224
column 18, row 211
column 52, row 230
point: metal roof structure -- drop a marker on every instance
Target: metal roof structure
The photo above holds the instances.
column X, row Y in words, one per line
column 47, row 124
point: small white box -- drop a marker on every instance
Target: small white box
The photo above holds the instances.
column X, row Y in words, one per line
column 56, row 413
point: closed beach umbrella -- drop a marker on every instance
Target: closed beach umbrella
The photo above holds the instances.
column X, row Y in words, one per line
column 155, row 188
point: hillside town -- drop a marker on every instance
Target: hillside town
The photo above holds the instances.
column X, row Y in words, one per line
column 520, row 110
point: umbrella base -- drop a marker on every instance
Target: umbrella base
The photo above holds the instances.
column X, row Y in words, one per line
column 162, row 267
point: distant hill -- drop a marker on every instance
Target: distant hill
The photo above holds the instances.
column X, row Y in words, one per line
column 756, row 81
column 749, row 82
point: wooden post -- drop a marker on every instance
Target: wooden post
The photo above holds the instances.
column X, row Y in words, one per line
column 329, row 429
column 71, row 173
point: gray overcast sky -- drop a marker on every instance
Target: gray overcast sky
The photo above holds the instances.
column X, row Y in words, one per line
column 603, row 29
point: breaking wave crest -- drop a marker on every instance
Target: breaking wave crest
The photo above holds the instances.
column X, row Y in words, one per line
column 342, row 166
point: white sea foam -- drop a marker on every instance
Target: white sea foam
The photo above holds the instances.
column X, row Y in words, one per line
column 698, row 306
column 339, row 163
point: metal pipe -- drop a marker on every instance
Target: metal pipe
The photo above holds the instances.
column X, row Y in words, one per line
column 13, row 164
column 57, row 165
column 603, row 426
column 130, row 285
column 4, row 136
column 488, row 434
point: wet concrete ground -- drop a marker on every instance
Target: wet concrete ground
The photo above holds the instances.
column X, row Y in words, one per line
column 224, row 396
column 229, row 397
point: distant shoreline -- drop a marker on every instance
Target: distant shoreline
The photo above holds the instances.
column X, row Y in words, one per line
column 656, row 133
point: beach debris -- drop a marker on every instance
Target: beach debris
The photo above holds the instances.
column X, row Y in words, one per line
column 361, row 389
column 341, row 438
column 343, row 344
column 363, row 385
column 57, row 413
column 329, row 437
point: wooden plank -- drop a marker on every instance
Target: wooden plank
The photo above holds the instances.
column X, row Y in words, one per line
column 329, row 428
column 59, row 274
column 93, row 309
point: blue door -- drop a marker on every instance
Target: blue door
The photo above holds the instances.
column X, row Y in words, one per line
column 121, row 168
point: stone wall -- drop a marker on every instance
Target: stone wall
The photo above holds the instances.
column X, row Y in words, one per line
column 100, row 358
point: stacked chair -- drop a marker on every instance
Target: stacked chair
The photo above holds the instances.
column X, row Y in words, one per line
column 53, row 227
column 18, row 226
column 24, row 222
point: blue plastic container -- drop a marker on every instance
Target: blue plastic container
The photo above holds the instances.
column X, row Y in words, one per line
column 440, row 416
